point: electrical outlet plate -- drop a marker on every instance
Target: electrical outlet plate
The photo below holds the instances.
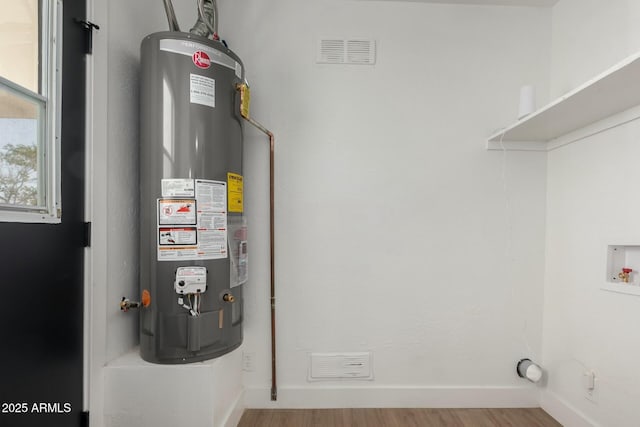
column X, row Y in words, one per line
column 248, row 361
column 589, row 384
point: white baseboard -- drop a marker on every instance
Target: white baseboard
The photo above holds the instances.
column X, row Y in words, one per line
column 394, row 397
column 563, row 412
column 232, row 418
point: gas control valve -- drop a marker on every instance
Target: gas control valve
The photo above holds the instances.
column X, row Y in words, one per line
column 190, row 280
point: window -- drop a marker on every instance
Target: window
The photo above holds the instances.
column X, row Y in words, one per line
column 30, row 48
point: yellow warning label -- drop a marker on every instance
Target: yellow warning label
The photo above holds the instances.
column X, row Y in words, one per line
column 234, row 192
column 245, row 100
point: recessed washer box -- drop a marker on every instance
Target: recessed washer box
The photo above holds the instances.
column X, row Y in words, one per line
column 623, row 256
column 619, row 257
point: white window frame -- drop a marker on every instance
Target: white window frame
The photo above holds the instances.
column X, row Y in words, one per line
column 49, row 123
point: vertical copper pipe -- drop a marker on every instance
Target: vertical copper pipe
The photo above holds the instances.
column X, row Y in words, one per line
column 274, row 388
column 245, row 115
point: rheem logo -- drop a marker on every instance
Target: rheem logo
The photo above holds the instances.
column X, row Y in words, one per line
column 201, row 59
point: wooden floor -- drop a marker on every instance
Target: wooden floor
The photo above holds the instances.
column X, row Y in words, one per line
column 527, row 417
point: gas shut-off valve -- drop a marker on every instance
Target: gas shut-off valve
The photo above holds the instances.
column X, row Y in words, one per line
column 145, row 301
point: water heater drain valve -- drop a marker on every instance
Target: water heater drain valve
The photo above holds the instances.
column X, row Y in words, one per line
column 190, row 280
column 126, row 305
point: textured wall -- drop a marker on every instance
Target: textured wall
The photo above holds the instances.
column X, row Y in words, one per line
column 396, row 232
column 591, row 203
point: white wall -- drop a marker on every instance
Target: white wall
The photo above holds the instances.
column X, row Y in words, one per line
column 592, row 202
column 116, row 63
column 588, row 37
column 396, row 232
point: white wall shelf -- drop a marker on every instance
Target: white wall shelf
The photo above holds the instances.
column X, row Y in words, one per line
column 621, row 289
column 614, row 91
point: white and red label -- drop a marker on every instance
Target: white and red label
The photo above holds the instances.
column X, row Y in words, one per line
column 196, row 50
column 201, row 59
column 194, row 228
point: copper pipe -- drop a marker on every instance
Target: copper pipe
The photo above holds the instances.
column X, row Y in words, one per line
column 245, row 114
column 274, row 388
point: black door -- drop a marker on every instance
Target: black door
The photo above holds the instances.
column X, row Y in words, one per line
column 41, row 311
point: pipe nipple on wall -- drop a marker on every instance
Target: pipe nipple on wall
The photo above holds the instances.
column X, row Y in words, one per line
column 529, row 370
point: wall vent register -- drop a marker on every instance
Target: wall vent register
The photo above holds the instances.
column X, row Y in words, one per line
column 331, row 366
column 346, row 51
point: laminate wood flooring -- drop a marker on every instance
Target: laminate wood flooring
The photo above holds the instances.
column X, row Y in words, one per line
column 519, row 417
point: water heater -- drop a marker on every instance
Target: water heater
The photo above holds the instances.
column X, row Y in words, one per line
column 193, row 235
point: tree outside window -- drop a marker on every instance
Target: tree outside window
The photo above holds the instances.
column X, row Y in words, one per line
column 19, row 175
column 30, row 49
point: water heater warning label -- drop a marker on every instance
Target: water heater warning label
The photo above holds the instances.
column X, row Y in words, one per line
column 235, row 192
column 202, row 90
column 178, row 188
column 176, row 211
column 178, row 236
column 207, row 239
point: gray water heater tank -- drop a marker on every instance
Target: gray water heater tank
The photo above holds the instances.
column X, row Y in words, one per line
column 193, row 236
